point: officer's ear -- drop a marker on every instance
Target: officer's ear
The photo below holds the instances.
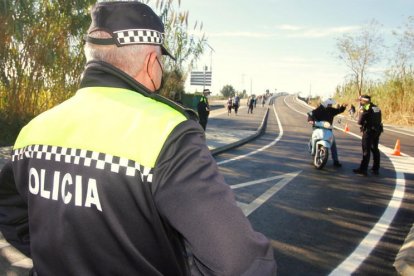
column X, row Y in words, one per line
column 151, row 64
column 146, row 76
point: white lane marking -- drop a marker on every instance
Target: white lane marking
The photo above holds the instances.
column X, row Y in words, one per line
column 291, row 107
column 24, row 263
column 3, row 243
column 262, row 148
column 399, row 132
column 259, row 201
column 14, row 257
column 364, row 249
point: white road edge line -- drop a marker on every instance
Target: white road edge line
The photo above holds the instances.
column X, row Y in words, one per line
column 262, row 148
column 364, row 249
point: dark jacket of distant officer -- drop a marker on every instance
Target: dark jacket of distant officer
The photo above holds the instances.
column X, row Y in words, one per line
column 118, row 180
column 203, row 109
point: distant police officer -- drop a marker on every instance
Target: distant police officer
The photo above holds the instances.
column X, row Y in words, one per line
column 118, row 180
column 370, row 120
column 203, row 108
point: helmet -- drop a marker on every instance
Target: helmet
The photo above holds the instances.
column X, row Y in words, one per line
column 328, row 102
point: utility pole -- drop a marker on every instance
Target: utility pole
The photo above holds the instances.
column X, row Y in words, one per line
column 204, row 77
column 310, row 90
column 211, row 56
column 211, row 60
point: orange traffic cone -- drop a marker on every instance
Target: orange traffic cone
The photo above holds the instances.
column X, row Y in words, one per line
column 397, row 148
column 346, row 128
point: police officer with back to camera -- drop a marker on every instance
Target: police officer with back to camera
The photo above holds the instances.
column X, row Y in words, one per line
column 118, row 180
column 370, row 120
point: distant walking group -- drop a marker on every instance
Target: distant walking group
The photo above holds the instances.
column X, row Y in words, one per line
column 233, row 103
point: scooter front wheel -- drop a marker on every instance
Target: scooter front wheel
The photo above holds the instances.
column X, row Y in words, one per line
column 321, row 157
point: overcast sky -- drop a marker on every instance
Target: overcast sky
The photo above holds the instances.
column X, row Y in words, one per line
column 288, row 45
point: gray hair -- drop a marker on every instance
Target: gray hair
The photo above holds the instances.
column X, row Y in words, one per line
column 129, row 59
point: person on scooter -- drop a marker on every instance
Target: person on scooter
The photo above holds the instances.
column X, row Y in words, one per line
column 325, row 112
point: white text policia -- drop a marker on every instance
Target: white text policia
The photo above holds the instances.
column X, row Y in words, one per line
column 65, row 186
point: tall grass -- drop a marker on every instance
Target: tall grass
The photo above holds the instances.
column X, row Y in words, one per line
column 395, row 97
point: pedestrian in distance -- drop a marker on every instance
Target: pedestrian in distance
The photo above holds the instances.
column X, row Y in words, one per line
column 236, row 103
column 370, row 120
column 118, row 179
column 250, row 104
column 203, row 108
column 352, row 111
column 325, row 112
column 229, row 105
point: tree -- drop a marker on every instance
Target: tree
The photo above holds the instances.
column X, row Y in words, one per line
column 173, row 85
column 228, row 91
column 404, row 55
column 360, row 50
column 401, row 74
column 186, row 48
column 243, row 94
column 41, row 55
column 41, row 52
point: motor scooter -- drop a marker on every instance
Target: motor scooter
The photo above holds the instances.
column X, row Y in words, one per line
column 320, row 143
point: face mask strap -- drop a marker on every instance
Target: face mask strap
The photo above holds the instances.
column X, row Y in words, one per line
column 162, row 73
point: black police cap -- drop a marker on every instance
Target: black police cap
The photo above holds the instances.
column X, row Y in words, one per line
column 129, row 23
column 365, row 98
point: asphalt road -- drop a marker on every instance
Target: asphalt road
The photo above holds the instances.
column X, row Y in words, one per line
column 319, row 222
column 322, row 221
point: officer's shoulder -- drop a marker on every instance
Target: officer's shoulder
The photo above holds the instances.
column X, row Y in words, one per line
column 187, row 112
column 375, row 108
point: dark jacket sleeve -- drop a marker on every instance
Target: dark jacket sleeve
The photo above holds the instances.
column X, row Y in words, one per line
column 193, row 197
column 362, row 118
column 14, row 223
column 336, row 111
column 317, row 113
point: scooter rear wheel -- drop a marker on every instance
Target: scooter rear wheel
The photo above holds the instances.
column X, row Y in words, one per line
column 321, row 157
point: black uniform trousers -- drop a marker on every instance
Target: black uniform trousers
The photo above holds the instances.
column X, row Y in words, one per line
column 370, row 141
column 203, row 121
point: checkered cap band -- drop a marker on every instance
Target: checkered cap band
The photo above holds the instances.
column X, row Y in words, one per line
column 100, row 161
column 139, row 36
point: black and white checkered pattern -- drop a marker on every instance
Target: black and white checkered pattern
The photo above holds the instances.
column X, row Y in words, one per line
column 86, row 158
column 139, row 36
